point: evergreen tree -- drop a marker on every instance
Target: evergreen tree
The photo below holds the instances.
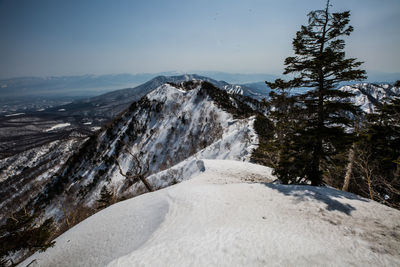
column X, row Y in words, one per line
column 319, row 65
column 106, row 197
column 384, row 133
column 20, row 232
column 379, row 152
column 285, row 120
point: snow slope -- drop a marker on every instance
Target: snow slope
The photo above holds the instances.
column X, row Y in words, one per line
column 24, row 175
column 221, row 218
column 369, row 95
column 170, row 125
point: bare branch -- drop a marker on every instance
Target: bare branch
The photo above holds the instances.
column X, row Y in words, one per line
column 120, row 168
column 138, row 171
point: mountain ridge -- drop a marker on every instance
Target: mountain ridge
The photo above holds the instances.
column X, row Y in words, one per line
column 112, row 103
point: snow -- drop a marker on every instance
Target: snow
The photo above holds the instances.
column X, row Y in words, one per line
column 53, row 155
column 234, row 89
column 228, row 138
column 58, row 126
column 31, row 157
column 94, row 241
column 13, row 115
column 221, row 217
column 367, row 95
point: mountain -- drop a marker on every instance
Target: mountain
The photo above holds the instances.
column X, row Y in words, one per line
column 229, row 214
column 160, row 139
column 42, row 160
column 170, row 125
column 110, row 104
column 30, row 93
column 367, row 95
column 152, row 144
column 370, row 95
column 90, row 85
column 38, row 93
column 260, row 88
column 25, row 174
column 26, row 122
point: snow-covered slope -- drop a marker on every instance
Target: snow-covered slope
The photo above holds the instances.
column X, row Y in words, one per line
column 24, row 175
column 221, row 218
column 245, row 90
column 369, row 95
column 173, row 125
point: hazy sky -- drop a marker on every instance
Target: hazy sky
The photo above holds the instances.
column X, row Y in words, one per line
column 52, row 37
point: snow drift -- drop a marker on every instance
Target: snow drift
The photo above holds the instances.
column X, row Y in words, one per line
column 221, row 217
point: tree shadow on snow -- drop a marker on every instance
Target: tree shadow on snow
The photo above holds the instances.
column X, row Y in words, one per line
column 326, row 195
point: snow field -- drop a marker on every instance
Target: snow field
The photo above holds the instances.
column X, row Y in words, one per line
column 58, row 126
column 219, row 218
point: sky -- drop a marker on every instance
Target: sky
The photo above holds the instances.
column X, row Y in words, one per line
column 75, row 37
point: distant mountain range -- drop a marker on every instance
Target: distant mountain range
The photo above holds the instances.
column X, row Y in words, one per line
column 92, row 85
column 110, row 104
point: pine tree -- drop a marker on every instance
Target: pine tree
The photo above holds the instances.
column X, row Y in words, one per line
column 106, row 197
column 285, row 120
column 20, row 233
column 319, row 65
column 378, row 155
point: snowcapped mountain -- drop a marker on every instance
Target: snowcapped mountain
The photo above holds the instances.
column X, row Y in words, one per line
column 367, row 95
column 159, row 129
column 152, row 144
column 110, row 104
column 162, row 133
column 370, row 95
column 218, row 218
column 169, row 125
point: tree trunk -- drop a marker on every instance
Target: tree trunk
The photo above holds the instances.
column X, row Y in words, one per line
column 349, row 170
column 370, row 187
column 144, row 181
column 397, row 173
column 315, row 175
